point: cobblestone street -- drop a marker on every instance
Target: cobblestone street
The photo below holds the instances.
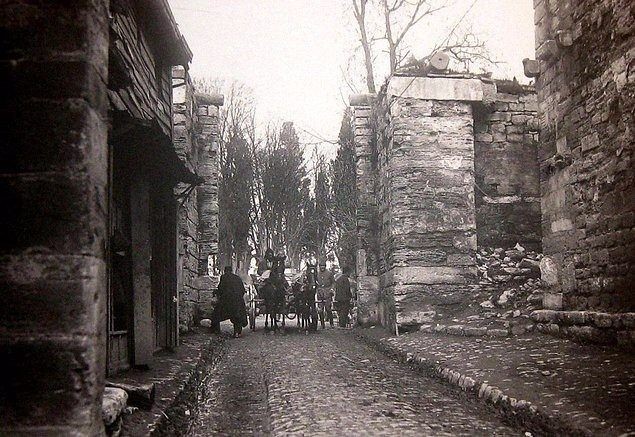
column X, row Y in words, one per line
column 330, row 383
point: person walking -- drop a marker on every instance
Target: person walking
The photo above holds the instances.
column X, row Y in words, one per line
column 325, row 281
column 231, row 304
column 343, row 297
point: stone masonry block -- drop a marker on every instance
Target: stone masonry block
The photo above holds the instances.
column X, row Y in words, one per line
column 437, row 88
column 53, row 294
column 52, row 382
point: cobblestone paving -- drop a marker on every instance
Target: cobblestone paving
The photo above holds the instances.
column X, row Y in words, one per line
column 590, row 385
column 329, row 383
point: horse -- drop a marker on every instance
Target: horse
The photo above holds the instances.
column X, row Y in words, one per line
column 307, row 313
column 273, row 295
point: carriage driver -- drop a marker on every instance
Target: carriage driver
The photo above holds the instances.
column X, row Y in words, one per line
column 325, row 281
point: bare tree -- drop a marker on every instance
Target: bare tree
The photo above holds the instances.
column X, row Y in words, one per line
column 410, row 13
column 236, row 169
column 359, row 10
column 399, row 18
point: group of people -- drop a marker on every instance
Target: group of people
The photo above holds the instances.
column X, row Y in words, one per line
column 329, row 289
column 231, row 303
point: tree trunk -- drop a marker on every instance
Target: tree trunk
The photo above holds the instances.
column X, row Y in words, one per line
column 360, row 15
column 392, row 47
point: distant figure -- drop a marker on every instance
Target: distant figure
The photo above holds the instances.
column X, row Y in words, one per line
column 231, row 304
column 325, row 281
column 343, row 297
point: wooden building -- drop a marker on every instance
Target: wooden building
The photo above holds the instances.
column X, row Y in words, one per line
column 144, row 170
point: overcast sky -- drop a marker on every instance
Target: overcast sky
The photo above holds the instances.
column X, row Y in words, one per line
column 291, row 53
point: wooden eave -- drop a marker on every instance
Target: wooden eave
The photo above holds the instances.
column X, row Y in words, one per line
column 163, row 29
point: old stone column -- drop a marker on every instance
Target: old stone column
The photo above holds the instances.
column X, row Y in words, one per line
column 53, row 186
column 208, row 139
column 426, row 159
column 367, row 243
column 207, row 193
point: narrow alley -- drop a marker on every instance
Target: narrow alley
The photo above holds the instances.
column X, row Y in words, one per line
column 453, row 179
column 330, row 383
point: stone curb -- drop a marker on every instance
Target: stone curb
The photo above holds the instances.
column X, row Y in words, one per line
column 588, row 326
column 518, row 411
column 472, row 331
column 167, row 420
column 176, row 414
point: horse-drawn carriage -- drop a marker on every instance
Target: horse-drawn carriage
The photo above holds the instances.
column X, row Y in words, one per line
column 272, row 296
column 257, row 305
column 280, row 298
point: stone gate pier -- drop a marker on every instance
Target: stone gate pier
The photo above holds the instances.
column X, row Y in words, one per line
column 417, row 212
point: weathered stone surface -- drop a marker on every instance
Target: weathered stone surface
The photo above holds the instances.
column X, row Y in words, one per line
column 437, row 88
column 531, row 67
column 53, row 184
column 548, row 271
column 113, row 403
column 367, row 297
column 195, row 118
column 585, row 93
column 552, row 301
column 205, row 323
column 416, row 169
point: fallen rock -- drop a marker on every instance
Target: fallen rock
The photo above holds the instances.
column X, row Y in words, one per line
column 514, row 254
column 205, row 323
column 519, row 248
column 139, row 395
column 535, row 298
column 487, row 304
column 528, row 263
column 503, row 299
column 113, row 404
column 548, row 271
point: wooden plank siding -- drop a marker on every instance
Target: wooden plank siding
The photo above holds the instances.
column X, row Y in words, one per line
column 148, row 94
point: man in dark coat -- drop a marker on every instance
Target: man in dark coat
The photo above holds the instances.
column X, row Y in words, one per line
column 343, row 297
column 230, row 303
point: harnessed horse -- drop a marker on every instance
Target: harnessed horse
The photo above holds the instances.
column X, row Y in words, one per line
column 307, row 319
column 273, row 294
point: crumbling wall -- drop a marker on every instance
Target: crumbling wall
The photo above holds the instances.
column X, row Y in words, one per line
column 53, row 185
column 195, row 133
column 207, row 131
column 441, row 160
column 185, row 119
column 425, row 196
column 366, row 214
column 506, row 169
column 586, row 90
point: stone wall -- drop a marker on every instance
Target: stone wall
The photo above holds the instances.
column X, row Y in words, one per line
column 53, row 185
column 208, row 134
column 586, row 90
column 440, row 161
column 426, row 178
column 507, row 190
column 367, row 226
column 185, row 118
column 195, row 140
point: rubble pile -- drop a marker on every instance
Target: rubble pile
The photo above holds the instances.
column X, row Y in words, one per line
column 513, row 275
